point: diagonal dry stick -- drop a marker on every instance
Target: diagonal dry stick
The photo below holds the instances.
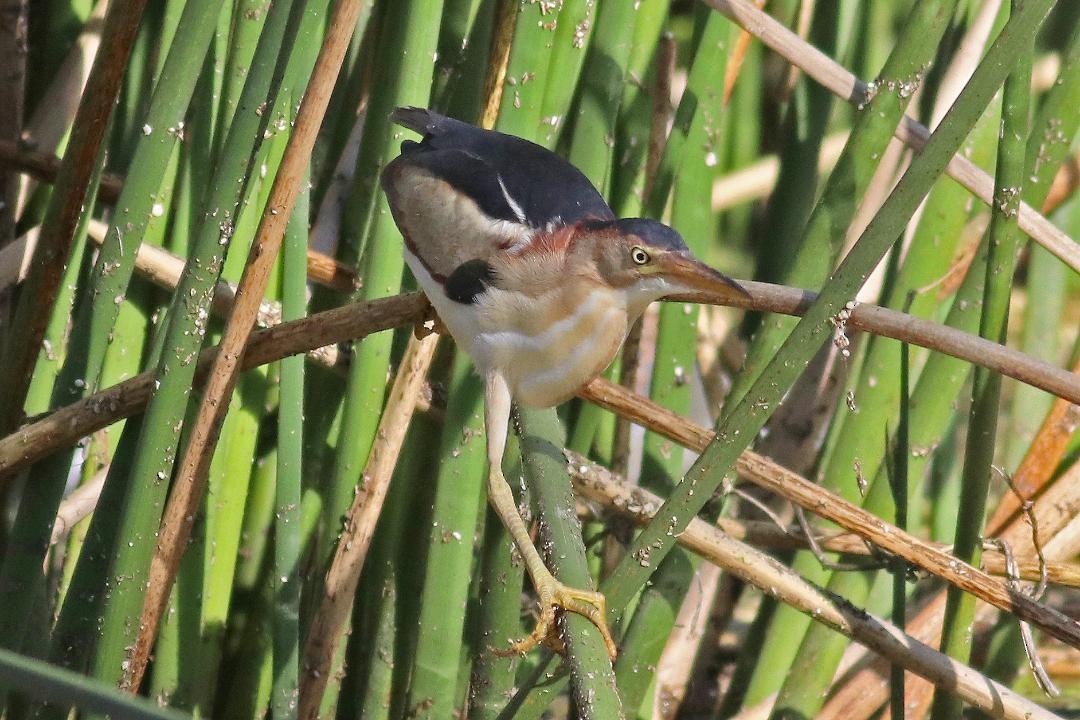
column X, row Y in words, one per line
column 612, row 492
column 190, row 484
column 596, row 483
column 840, row 81
column 334, row 604
column 767, row 474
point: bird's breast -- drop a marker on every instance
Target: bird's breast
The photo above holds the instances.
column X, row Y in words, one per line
column 548, row 346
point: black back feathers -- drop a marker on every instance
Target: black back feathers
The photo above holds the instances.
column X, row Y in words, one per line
column 509, row 178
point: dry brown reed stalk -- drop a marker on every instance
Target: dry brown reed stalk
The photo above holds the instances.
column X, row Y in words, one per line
column 844, row 84
column 781, row 582
column 615, row 495
column 767, row 474
column 67, row 425
column 330, row 617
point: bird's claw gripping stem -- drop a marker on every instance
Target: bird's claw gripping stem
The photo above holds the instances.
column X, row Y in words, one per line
column 554, row 597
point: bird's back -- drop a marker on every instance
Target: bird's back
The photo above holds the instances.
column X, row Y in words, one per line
column 501, row 171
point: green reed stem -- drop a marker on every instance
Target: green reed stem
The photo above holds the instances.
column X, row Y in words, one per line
column 1004, row 242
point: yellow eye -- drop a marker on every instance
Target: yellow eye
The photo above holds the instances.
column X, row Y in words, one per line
column 639, row 256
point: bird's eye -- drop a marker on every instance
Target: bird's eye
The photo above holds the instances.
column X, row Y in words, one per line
column 639, row 256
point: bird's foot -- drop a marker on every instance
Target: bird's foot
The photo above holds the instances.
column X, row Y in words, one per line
column 431, row 325
column 556, row 598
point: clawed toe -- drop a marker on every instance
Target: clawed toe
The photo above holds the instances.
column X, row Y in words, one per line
column 555, row 597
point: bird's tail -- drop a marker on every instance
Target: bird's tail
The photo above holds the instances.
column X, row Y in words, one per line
column 420, row 120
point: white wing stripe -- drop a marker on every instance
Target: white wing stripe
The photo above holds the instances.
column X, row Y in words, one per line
column 514, row 206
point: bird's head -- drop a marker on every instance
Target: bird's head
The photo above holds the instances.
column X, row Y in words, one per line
column 649, row 260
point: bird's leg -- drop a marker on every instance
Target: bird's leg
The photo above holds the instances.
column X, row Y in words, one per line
column 553, row 594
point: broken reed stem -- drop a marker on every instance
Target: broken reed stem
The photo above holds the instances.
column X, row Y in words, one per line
column 352, row 546
column 779, row 581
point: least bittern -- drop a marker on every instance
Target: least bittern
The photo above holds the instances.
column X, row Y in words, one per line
column 536, row 279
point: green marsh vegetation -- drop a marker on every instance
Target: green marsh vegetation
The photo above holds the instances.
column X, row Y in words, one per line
column 297, row 526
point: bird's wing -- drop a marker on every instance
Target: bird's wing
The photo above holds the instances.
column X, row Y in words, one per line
column 463, row 193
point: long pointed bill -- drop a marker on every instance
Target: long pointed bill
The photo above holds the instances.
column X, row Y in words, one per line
column 701, row 281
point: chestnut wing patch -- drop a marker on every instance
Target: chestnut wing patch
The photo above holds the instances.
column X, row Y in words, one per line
column 469, row 280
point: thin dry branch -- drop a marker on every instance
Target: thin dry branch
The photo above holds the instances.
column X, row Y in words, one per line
column 190, row 484
column 344, row 573
column 840, row 81
column 781, row 582
column 66, row 426
column 614, row 494
column 865, row 689
column 767, row 474
column 42, row 165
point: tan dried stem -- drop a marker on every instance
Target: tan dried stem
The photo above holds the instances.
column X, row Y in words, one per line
column 800, row 491
column 336, row 601
column 736, row 59
column 616, row 495
column 865, row 689
column 190, row 483
column 841, row 82
column 781, row 582
column 67, row 425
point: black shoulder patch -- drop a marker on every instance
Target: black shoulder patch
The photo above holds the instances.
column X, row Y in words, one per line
column 468, row 280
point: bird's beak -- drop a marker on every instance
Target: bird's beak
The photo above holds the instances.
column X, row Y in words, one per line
column 692, row 276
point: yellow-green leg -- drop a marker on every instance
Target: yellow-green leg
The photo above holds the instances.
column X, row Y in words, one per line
column 553, row 594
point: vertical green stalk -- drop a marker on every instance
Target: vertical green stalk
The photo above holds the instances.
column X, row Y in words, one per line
column 592, row 681
column 290, row 439
column 676, row 356
column 570, row 43
column 501, row 579
column 527, row 70
column 409, row 31
column 594, row 128
column 138, row 206
column 898, row 480
column 1004, row 242
column 459, row 498
column 248, row 18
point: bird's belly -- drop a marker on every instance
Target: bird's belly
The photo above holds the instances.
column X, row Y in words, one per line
column 545, row 351
column 546, row 355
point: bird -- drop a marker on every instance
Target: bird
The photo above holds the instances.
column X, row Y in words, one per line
column 537, row 280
